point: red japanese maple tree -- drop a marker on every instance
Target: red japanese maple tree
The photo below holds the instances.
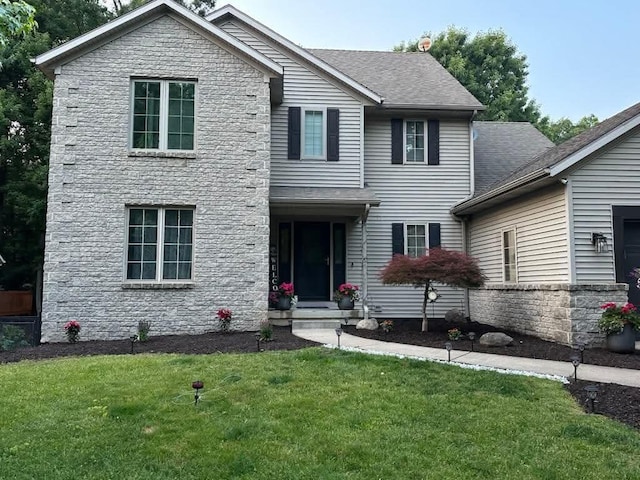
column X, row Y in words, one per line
column 448, row 267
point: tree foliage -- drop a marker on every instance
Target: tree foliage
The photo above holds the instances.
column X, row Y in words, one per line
column 447, row 267
column 25, row 119
column 201, row 7
column 16, row 18
column 490, row 66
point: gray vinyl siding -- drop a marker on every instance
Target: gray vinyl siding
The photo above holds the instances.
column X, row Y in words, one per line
column 414, row 194
column 303, row 86
column 611, row 178
column 541, row 238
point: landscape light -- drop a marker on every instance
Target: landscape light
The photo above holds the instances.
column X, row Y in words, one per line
column 575, row 360
column 449, row 347
column 592, row 393
column 472, row 337
column 258, row 338
column 197, row 385
column 581, row 347
column 133, row 339
column 338, row 333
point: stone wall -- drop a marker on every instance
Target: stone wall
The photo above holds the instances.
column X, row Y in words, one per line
column 94, row 177
column 562, row 313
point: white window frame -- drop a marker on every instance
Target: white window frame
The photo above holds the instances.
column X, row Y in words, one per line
column 504, row 257
column 164, row 114
column 160, row 244
column 324, row 133
column 404, row 142
column 406, row 237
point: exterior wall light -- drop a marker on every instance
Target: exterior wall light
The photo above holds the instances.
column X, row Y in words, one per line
column 599, row 242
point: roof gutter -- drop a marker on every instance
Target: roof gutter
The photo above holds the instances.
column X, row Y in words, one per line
column 515, row 184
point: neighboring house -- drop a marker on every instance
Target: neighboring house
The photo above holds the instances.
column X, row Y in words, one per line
column 195, row 162
column 558, row 235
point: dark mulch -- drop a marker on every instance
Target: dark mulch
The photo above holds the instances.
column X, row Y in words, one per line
column 408, row 331
column 237, row 342
column 615, row 401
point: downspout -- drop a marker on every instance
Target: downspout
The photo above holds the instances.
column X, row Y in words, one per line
column 465, row 249
column 365, row 269
column 472, row 189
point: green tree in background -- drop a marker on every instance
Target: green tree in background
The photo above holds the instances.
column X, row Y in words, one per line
column 25, row 126
column 16, row 18
column 491, row 68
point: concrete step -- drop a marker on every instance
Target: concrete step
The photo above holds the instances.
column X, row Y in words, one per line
column 324, row 323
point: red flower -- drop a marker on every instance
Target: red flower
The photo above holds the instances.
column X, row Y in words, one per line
column 608, row 305
column 224, row 314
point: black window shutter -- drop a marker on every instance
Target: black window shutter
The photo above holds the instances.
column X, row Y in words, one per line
column 397, row 156
column 434, row 235
column 333, row 134
column 434, row 142
column 397, row 238
column 293, row 150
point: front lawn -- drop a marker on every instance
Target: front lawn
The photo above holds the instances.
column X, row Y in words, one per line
column 315, row 413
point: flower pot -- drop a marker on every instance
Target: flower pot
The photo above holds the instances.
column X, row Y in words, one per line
column 345, row 303
column 623, row 342
column 284, row 303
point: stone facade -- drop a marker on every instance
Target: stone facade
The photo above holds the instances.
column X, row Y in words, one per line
column 94, row 178
column 562, row 313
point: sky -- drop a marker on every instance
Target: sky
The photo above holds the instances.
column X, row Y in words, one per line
column 583, row 55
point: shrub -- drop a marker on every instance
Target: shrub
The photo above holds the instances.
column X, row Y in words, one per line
column 143, row 330
column 454, row 334
column 72, row 329
column 12, row 337
column 386, row 326
column 266, row 332
column 224, row 319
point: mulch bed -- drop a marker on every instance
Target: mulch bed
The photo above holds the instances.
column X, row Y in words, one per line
column 615, row 401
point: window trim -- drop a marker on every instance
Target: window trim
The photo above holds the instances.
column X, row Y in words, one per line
column 406, row 237
column 160, row 246
column 303, row 111
column 515, row 254
column 425, row 134
column 164, row 115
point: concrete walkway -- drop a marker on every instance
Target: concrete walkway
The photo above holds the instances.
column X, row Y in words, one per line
column 593, row 373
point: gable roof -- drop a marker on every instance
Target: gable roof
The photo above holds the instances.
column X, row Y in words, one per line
column 228, row 10
column 404, row 80
column 48, row 61
column 554, row 161
column 501, row 148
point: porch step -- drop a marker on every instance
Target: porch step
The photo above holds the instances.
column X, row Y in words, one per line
column 328, row 324
column 312, row 317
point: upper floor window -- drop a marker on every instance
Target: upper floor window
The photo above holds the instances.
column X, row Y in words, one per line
column 314, row 131
column 160, row 244
column 414, row 142
column 163, row 115
column 416, row 240
column 510, row 270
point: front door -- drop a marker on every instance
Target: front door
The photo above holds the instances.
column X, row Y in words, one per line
column 311, row 260
column 631, row 255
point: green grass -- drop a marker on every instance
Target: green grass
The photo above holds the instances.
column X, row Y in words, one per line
column 310, row 414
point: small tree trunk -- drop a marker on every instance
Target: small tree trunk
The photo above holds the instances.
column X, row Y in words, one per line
column 425, row 323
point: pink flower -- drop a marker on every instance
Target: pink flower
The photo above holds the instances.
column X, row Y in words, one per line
column 224, row 314
column 608, row 305
column 628, row 308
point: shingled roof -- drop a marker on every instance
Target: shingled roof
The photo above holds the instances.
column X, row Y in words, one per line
column 500, row 148
column 403, row 79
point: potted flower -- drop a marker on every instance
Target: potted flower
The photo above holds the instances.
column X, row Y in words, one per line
column 283, row 296
column 72, row 329
column 224, row 319
column 346, row 295
column 619, row 325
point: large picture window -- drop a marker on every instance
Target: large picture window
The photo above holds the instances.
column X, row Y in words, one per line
column 163, row 115
column 159, row 244
column 509, row 256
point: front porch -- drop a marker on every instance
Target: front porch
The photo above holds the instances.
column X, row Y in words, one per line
column 316, row 315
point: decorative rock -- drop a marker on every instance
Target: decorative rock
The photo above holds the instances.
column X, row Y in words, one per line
column 454, row 316
column 371, row 324
column 495, row 339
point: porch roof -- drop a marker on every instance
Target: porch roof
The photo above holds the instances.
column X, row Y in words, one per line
column 353, row 199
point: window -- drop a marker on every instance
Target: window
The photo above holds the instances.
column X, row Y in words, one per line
column 509, row 256
column 163, row 115
column 160, row 244
column 314, row 130
column 414, row 142
column 416, row 240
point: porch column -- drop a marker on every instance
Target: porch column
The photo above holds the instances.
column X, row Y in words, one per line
column 365, row 279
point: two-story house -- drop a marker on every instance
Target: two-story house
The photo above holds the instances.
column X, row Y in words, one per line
column 191, row 158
